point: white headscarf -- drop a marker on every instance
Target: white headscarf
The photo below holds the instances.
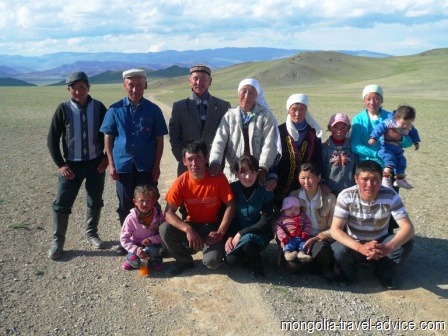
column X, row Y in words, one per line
column 260, row 93
column 302, row 99
column 262, row 101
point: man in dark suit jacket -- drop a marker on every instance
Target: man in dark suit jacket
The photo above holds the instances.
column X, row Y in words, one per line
column 196, row 117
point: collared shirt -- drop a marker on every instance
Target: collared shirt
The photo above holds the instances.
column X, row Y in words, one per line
column 201, row 103
column 135, row 129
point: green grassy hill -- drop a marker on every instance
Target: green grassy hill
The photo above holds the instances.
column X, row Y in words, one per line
column 336, row 72
column 13, row 82
column 333, row 81
column 330, row 68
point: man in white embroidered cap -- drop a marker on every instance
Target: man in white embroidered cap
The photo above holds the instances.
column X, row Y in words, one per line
column 196, row 117
column 76, row 123
column 134, row 128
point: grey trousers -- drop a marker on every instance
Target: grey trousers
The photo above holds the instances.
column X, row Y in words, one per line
column 177, row 244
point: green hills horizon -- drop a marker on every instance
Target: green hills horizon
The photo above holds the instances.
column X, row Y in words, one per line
column 306, row 68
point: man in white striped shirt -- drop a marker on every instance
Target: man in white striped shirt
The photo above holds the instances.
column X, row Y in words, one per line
column 360, row 227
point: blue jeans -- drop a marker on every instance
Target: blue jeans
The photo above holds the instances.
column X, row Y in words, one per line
column 295, row 244
column 125, row 186
column 68, row 189
column 393, row 156
column 153, row 251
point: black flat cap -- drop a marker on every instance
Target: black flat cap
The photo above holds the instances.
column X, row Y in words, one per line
column 76, row 77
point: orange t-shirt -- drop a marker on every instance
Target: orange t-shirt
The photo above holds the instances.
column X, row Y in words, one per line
column 202, row 198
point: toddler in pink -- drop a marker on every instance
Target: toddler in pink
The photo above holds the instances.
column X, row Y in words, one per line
column 292, row 229
column 140, row 231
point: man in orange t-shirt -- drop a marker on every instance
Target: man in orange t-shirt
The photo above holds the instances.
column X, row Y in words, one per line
column 203, row 196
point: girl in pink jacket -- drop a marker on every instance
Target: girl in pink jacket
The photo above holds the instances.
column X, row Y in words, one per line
column 140, row 231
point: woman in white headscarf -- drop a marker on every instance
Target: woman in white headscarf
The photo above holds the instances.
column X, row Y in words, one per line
column 301, row 142
column 249, row 128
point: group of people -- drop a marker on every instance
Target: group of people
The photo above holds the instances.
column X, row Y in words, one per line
column 242, row 179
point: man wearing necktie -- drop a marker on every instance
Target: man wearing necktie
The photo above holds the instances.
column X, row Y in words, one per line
column 196, row 117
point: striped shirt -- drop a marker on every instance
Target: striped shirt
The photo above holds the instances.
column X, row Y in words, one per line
column 368, row 221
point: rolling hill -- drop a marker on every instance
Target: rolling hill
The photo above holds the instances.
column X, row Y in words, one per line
column 334, row 73
column 333, row 69
column 311, row 68
column 13, row 82
column 95, row 63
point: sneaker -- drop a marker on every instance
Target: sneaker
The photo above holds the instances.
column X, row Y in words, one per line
column 402, row 183
column 178, row 268
column 303, row 257
column 290, row 255
column 127, row 266
column 386, row 182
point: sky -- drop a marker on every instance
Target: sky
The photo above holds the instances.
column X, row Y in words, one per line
column 394, row 27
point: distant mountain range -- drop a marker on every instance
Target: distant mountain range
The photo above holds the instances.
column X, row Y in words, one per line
column 58, row 65
column 109, row 77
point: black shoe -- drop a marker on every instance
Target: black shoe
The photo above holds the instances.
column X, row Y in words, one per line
column 178, row 268
column 388, row 284
column 344, row 281
column 258, row 271
column 258, row 274
column 97, row 243
column 55, row 252
column 329, row 275
column 121, row 250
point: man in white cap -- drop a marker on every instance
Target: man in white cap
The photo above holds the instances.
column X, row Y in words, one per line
column 134, row 128
column 76, row 124
column 196, row 117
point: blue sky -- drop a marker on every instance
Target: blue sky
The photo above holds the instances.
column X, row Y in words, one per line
column 396, row 27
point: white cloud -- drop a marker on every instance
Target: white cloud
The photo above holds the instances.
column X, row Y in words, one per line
column 390, row 26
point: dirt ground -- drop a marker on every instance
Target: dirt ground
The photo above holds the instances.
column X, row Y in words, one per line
column 86, row 292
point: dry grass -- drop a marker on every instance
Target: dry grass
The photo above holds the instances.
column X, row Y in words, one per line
column 88, row 282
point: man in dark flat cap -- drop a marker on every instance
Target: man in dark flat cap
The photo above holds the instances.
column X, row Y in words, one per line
column 77, row 124
column 134, row 128
column 196, row 117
